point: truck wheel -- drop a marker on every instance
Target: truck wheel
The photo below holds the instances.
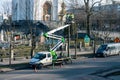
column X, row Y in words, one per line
column 40, row 66
column 68, row 61
column 105, row 55
column 63, row 62
column 33, row 66
column 118, row 53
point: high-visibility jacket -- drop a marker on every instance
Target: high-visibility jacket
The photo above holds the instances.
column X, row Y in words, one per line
column 72, row 15
column 67, row 16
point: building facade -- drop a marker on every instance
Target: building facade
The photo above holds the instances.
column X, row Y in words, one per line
column 36, row 9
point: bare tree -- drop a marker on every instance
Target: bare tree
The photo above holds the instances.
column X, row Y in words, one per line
column 88, row 6
column 89, row 11
column 71, row 4
column 107, row 20
column 6, row 8
column 27, row 9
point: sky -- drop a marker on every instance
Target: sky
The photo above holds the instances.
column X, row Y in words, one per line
column 7, row 2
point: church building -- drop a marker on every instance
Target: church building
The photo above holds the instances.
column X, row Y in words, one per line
column 36, row 10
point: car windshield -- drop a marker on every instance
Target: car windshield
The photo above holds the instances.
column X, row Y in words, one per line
column 102, row 47
column 39, row 56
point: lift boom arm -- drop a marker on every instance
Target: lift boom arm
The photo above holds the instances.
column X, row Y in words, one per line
column 60, row 38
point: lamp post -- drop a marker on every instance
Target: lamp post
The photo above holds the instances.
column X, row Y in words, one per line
column 10, row 48
column 10, row 53
column 68, row 41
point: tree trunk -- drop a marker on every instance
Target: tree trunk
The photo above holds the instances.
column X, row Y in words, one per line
column 33, row 46
column 76, row 46
column 32, row 52
column 88, row 24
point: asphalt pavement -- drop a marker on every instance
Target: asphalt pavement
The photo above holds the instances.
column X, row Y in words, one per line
column 84, row 59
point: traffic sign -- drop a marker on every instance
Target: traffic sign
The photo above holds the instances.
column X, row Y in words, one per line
column 116, row 40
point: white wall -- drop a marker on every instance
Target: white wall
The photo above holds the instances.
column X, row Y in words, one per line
column 38, row 10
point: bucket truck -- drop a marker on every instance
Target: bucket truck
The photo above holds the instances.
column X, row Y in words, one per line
column 47, row 58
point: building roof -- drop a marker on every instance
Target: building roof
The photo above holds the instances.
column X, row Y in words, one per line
column 82, row 35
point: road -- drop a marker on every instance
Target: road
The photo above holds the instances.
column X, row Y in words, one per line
column 80, row 68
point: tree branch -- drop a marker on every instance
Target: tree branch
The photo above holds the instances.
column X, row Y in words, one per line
column 94, row 4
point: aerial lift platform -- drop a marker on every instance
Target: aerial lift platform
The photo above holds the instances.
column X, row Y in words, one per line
column 61, row 41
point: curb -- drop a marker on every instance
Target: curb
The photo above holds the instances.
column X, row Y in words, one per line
column 2, row 70
column 88, row 55
column 6, row 70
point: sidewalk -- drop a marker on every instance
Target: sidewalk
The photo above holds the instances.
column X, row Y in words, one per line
column 15, row 65
column 79, row 53
column 17, row 61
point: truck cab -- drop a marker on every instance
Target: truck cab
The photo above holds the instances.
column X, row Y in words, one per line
column 41, row 59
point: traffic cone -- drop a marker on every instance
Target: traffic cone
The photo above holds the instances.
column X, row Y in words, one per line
column 94, row 58
column 35, row 69
column 61, row 64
